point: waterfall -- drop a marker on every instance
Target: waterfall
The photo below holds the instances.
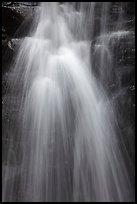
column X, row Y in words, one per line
column 65, row 123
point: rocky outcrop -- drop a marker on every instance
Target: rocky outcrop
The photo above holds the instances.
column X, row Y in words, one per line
column 17, row 18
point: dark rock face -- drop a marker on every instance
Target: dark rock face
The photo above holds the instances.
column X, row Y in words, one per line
column 11, row 20
column 121, row 15
column 17, row 19
column 16, row 22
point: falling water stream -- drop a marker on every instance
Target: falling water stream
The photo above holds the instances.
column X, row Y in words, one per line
column 66, row 124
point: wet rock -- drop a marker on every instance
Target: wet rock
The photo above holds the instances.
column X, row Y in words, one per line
column 124, row 50
column 118, row 53
column 125, row 111
column 7, row 55
column 16, row 19
column 11, row 20
column 16, row 42
column 4, row 84
column 9, row 49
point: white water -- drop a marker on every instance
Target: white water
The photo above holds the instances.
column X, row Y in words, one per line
column 70, row 149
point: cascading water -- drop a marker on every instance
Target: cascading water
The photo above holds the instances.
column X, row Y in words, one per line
column 67, row 137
